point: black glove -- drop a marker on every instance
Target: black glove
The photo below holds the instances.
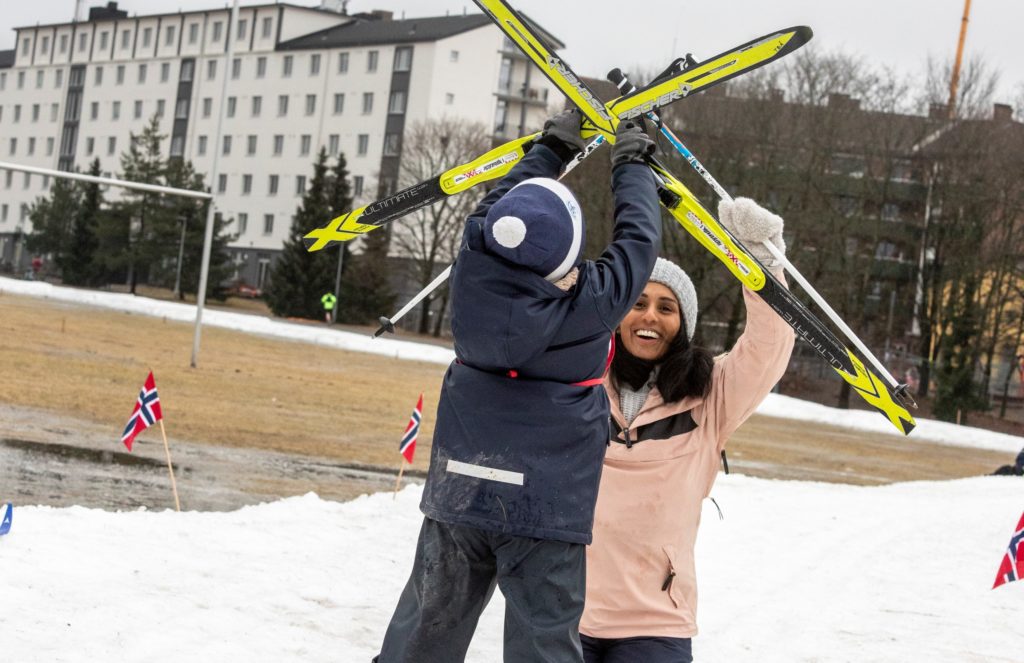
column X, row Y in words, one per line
column 632, row 144
column 562, row 134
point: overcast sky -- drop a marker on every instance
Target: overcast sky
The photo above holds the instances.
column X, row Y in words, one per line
column 601, row 35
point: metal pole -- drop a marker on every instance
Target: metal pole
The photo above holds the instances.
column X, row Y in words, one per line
column 337, row 283
column 204, row 272
column 110, row 181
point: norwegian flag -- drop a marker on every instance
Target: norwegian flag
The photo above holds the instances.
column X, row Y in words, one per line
column 408, row 446
column 1012, row 566
column 146, row 412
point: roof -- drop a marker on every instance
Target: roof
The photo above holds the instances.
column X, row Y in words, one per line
column 364, row 32
column 6, row 59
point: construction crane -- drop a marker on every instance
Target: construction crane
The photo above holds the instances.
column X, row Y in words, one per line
column 955, row 78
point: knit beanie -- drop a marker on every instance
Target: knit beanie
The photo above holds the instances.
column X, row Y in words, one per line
column 671, row 275
column 537, row 225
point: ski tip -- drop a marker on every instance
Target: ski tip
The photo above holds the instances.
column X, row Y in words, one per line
column 385, row 326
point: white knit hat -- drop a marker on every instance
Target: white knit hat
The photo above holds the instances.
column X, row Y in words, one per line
column 672, row 276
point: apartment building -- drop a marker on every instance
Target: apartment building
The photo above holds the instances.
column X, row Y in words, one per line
column 301, row 78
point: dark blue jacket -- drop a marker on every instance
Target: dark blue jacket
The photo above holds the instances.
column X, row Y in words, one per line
column 522, row 455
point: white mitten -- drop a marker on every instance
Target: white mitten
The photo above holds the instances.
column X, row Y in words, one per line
column 752, row 224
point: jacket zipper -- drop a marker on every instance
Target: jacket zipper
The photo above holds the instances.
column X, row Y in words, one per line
column 665, row 586
column 629, row 442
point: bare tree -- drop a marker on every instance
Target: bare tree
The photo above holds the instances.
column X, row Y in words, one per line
column 429, row 236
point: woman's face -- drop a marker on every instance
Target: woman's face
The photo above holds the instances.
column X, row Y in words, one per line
column 652, row 323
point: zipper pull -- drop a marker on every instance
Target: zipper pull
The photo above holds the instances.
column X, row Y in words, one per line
column 629, row 442
column 668, row 581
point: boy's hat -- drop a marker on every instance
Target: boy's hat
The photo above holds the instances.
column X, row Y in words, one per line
column 672, row 276
column 537, row 225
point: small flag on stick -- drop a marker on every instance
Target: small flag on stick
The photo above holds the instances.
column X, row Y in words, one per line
column 5, row 524
column 146, row 413
column 407, row 447
column 1012, row 566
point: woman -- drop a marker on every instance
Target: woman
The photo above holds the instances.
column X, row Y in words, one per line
column 673, row 409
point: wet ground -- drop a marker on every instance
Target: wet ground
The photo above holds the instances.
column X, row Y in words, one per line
column 55, row 461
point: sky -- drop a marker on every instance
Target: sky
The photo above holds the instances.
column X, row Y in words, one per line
column 900, row 34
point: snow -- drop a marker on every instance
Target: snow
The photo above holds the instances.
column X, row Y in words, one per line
column 797, row 571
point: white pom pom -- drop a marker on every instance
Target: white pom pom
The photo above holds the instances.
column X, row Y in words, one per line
column 509, row 231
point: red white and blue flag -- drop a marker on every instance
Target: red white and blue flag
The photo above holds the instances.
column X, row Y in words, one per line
column 146, row 412
column 1012, row 566
column 408, row 446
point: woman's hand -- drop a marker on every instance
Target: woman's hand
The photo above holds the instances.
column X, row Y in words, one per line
column 752, row 224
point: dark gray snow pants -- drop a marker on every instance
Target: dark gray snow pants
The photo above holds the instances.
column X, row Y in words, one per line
column 452, row 580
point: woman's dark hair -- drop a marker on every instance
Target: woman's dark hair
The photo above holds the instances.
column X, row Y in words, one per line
column 685, row 369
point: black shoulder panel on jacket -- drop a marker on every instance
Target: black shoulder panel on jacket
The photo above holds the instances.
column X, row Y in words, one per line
column 662, row 429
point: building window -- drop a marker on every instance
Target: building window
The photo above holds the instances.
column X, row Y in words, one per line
column 890, row 212
column 268, row 224
column 160, row 105
column 21, row 79
column 181, row 109
column 232, row 104
column 63, row 43
column 227, row 146
column 138, row 110
column 201, row 146
column 362, row 144
column 207, row 106
column 278, row 145
column 286, row 66
column 396, row 104
column 282, row 105
column 142, row 74
column 147, row 37
column 268, row 27
column 392, row 145
column 243, row 222
column 83, row 41
column 115, row 110
column 250, row 145
column 222, row 183
column 58, row 78
column 357, row 185
column 367, row 103
column 193, row 33
column 403, row 58
column 236, row 68
column 300, row 185
column 333, row 144
column 887, row 251
column 314, row 64
column 35, row 112
column 218, row 28
column 310, row 104
column 500, row 116
column 339, row 103
column 94, row 111
column 342, row 63
column 31, row 146
column 97, row 77
column 177, row 146
column 165, row 71
column 304, row 145
column 246, row 184
column 272, row 185
column 120, row 74
column 44, row 45
column 257, row 106
column 449, row 98
column 39, row 79
column 49, row 147
column 111, row 145
column 261, row 67
column 169, row 36
column 242, row 25
column 126, row 39
column 211, row 69
column 371, row 61
column 103, row 39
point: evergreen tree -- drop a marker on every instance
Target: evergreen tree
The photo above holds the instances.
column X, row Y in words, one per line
column 79, row 264
column 52, row 219
column 299, row 278
column 370, row 295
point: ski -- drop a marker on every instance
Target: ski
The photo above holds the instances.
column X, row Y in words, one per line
column 696, row 220
column 682, row 78
column 5, row 525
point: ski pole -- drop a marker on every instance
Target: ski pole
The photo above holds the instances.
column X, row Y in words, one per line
column 618, row 77
column 388, row 324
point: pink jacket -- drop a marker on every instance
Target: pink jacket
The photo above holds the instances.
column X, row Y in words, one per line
column 640, row 570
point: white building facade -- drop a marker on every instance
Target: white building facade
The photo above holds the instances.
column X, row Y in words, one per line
column 301, row 78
